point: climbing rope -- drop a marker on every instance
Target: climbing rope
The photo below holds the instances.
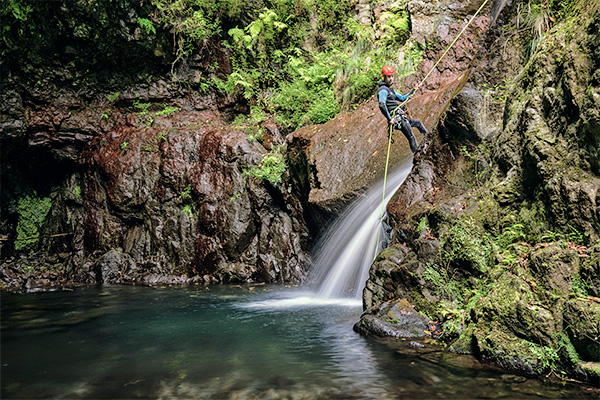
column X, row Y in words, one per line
column 387, row 162
column 449, row 47
column 387, row 159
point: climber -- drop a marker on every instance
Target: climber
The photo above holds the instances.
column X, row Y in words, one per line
column 391, row 110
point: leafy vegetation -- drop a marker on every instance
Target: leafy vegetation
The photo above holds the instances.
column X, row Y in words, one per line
column 147, row 25
column 397, row 26
column 32, row 210
column 307, row 60
column 186, row 194
column 271, row 167
column 537, row 17
column 190, row 22
column 304, row 60
column 467, row 245
column 168, row 110
column 188, row 210
column 113, row 96
column 92, row 37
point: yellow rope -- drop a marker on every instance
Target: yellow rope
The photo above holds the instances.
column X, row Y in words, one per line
column 387, row 160
column 449, row 47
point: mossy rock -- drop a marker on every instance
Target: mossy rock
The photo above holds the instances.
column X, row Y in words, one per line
column 589, row 371
column 465, row 343
column 590, row 272
column 389, row 275
column 513, row 304
column 466, row 246
column 494, row 343
column 582, row 321
column 554, row 267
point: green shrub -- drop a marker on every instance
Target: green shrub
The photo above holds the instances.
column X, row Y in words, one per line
column 255, row 133
column 147, row 25
column 397, row 26
column 32, row 211
column 271, row 168
column 113, row 96
column 191, row 22
column 186, row 194
column 168, row 110
column 444, row 283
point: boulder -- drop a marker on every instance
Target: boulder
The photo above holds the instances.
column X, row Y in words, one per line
column 395, row 319
column 582, row 322
column 114, row 267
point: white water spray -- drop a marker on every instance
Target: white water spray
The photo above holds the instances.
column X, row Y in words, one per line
column 346, row 251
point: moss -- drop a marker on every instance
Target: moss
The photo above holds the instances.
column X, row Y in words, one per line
column 397, row 25
column 488, row 211
column 467, row 246
column 425, row 306
column 32, row 210
column 589, row 272
column 591, row 370
column 582, row 319
column 492, row 342
column 567, row 350
column 444, row 284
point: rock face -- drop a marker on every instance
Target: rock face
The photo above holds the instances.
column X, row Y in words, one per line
column 496, row 228
column 344, row 157
column 159, row 192
column 185, row 205
column 146, row 175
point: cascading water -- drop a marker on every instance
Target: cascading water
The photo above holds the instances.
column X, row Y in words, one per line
column 347, row 249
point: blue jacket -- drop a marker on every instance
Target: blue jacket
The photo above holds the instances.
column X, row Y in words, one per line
column 389, row 100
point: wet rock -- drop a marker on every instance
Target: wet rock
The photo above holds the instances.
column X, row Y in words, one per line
column 494, row 344
column 511, row 304
column 342, row 141
column 468, row 117
column 12, row 113
column 113, row 266
column 172, row 195
column 35, row 272
column 590, row 271
column 513, row 378
column 239, row 273
column 390, row 276
column 396, row 319
column 590, row 372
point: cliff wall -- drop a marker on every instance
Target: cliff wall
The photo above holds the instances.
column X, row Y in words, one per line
column 497, row 227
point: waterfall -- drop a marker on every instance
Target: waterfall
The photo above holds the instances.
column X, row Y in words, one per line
column 346, row 251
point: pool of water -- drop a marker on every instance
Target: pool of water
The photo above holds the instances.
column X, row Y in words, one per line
column 224, row 342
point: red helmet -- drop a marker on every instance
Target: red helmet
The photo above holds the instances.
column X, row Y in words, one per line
column 387, row 70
